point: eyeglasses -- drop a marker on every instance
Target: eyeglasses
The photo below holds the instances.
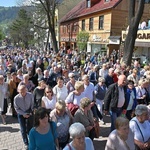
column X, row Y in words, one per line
column 49, row 92
column 72, row 76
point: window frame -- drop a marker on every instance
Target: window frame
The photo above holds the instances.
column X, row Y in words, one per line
column 91, row 22
column 101, row 22
column 83, row 24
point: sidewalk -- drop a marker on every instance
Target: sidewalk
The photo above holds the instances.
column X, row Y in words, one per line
column 10, row 136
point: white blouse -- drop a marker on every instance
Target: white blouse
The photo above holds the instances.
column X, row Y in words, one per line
column 49, row 104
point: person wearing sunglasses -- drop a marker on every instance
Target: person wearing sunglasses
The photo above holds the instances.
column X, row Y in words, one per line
column 48, row 100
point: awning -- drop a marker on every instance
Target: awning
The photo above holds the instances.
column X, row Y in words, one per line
column 142, row 44
column 114, row 40
column 114, row 37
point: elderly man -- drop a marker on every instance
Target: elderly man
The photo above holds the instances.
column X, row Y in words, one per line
column 115, row 99
column 23, row 104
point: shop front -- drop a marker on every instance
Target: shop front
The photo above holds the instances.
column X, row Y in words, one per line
column 142, row 45
column 98, row 45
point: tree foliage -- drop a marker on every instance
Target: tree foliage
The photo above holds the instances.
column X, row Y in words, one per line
column 82, row 39
column 44, row 18
column 20, row 29
column 1, row 34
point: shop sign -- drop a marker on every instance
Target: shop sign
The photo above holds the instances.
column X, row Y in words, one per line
column 96, row 38
column 142, row 36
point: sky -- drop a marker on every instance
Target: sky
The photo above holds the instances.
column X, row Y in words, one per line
column 8, row 3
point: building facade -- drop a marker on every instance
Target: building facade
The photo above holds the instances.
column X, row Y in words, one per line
column 104, row 20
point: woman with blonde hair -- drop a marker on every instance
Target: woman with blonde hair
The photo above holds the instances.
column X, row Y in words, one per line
column 121, row 138
column 76, row 95
column 141, row 92
column 63, row 119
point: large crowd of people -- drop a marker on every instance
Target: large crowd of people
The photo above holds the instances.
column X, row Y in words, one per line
column 58, row 96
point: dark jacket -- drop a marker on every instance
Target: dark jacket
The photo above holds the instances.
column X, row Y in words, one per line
column 100, row 92
column 111, row 97
column 108, row 80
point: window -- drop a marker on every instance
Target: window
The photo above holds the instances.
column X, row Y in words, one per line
column 64, row 29
column 74, row 28
column 83, row 24
column 91, row 24
column 101, row 22
column 88, row 3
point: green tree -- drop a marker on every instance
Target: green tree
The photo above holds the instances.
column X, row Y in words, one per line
column 20, row 29
column 82, row 39
column 45, row 11
column 134, row 20
column 1, row 34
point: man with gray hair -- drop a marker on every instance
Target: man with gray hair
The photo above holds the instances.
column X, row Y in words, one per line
column 23, row 104
column 115, row 99
column 109, row 77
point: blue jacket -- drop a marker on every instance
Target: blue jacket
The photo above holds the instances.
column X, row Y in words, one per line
column 128, row 97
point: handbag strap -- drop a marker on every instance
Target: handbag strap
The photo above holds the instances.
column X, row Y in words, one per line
column 69, row 147
column 139, row 129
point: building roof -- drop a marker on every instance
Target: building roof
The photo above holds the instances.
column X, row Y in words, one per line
column 81, row 9
column 101, row 5
column 75, row 12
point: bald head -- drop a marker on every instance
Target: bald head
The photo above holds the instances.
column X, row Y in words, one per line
column 122, row 80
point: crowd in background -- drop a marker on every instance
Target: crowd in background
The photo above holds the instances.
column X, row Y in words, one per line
column 92, row 85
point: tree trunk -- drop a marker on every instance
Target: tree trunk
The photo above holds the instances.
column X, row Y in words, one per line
column 134, row 19
column 53, row 36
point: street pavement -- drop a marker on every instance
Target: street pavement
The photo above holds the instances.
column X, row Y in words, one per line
column 10, row 136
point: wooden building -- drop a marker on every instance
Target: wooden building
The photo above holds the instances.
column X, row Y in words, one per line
column 104, row 20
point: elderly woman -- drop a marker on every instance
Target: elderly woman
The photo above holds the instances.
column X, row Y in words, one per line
column 71, row 83
column 43, row 135
column 140, row 126
column 121, row 138
column 28, row 83
column 131, row 99
column 76, row 95
column 3, row 98
column 63, row 118
column 100, row 90
column 84, row 115
column 79, row 142
column 141, row 92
